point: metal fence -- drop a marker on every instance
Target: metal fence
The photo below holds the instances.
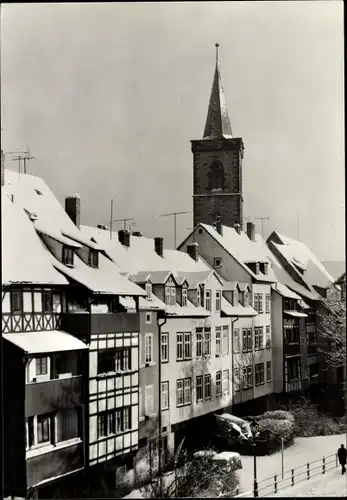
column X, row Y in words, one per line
column 291, row 477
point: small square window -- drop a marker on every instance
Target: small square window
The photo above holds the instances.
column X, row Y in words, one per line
column 217, row 262
column 148, row 318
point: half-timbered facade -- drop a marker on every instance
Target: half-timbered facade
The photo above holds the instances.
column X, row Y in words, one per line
column 80, row 394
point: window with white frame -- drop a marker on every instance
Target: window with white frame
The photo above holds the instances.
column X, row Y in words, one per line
column 198, row 297
column 184, row 297
column 179, row 350
column 167, row 295
column 207, row 341
column 225, row 344
column 179, row 392
column 218, row 340
column 247, row 377
column 236, row 340
column 164, row 347
column 114, row 421
column 183, row 391
column 149, row 402
column 218, row 300
column 187, row 345
column 41, row 366
column 258, row 338
column 172, row 296
column 245, row 298
column 218, row 383
column 198, row 333
column 123, row 359
column 106, row 360
column 259, row 374
column 207, row 386
column 187, row 391
column 148, row 348
column 164, row 395
column 258, row 302
column 199, row 388
column 38, row 430
column 225, row 382
column 208, row 300
column 149, row 290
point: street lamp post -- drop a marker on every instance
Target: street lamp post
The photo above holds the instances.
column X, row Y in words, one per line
column 255, row 431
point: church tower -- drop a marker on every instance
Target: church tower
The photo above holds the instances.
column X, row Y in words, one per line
column 217, row 181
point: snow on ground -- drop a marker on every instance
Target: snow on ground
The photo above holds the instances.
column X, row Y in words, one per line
column 304, row 450
column 332, row 484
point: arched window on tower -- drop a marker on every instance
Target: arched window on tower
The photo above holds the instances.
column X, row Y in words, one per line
column 216, row 176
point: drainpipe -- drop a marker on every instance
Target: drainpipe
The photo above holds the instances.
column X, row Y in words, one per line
column 160, row 316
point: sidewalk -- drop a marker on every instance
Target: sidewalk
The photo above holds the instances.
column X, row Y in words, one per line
column 332, row 484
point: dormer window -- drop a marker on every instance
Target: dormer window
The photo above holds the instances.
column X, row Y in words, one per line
column 266, row 268
column 235, row 298
column 198, row 297
column 67, row 256
column 149, row 290
column 184, row 297
column 257, row 266
column 170, row 295
column 245, row 298
column 93, row 259
column 218, row 300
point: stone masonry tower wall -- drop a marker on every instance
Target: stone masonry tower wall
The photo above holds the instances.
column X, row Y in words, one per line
column 217, row 181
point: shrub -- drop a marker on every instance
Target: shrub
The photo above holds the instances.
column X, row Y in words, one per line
column 309, row 422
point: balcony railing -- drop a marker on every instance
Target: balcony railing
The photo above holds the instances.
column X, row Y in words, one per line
column 44, row 397
column 291, row 348
column 29, row 322
column 54, row 464
column 82, row 325
column 293, row 385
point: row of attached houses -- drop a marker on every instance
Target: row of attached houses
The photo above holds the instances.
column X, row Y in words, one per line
column 112, row 342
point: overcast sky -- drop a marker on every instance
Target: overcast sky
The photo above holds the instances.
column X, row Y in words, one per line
column 108, row 97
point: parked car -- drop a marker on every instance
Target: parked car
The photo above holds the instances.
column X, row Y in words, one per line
column 229, row 459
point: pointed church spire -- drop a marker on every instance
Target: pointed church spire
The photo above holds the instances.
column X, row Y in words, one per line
column 217, row 122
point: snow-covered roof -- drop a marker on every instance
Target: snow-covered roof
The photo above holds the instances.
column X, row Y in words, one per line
column 24, row 258
column 239, row 310
column 296, row 314
column 285, row 291
column 102, row 280
column 190, row 311
column 195, row 278
column 45, row 342
column 31, row 195
column 301, row 257
column 242, row 249
column 153, row 304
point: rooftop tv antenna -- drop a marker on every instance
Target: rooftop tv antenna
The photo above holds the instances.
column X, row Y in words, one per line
column 262, row 225
column 174, row 215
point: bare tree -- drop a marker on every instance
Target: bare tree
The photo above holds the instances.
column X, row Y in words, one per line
column 332, row 330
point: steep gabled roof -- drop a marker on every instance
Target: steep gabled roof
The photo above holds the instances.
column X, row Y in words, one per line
column 217, row 122
column 24, row 259
column 302, row 260
column 241, row 248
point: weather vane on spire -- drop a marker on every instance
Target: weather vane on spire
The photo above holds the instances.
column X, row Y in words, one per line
column 217, row 45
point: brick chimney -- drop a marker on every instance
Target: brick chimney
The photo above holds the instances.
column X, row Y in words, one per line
column 193, row 251
column 251, row 231
column 158, row 245
column 73, row 208
column 237, row 228
column 2, row 168
column 124, row 237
